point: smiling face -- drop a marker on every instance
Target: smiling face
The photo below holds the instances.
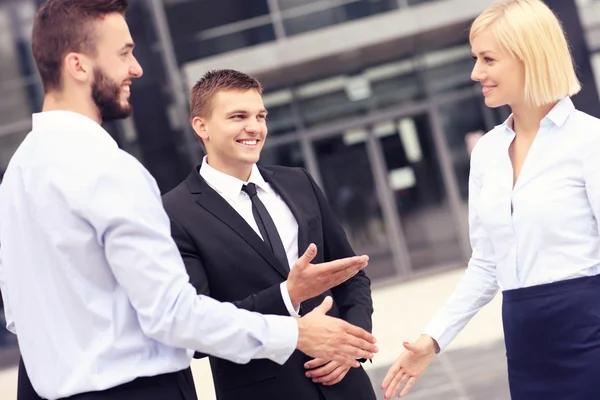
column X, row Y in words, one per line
column 115, row 67
column 502, row 76
column 235, row 131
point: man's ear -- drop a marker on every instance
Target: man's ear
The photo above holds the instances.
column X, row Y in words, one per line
column 78, row 67
column 199, row 125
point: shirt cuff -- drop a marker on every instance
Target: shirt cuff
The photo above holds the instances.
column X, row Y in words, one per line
column 442, row 335
column 294, row 312
column 282, row 338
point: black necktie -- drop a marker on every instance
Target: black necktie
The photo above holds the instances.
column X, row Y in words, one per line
column 266, row 226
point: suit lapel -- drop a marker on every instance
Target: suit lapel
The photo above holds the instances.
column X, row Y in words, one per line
column 212, row 202
column 289, row 194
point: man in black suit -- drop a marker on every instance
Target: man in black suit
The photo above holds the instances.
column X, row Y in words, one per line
column 240, row 228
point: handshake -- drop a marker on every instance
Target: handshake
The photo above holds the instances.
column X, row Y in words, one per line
column 335, row 344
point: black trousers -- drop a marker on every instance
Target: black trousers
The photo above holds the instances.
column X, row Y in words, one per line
column 173, row 386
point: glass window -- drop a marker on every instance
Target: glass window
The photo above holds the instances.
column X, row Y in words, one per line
column 349, row 185
column 449, row 77
column 8, row 146
column 415, row 177
column 415, row 2
column 288, row 155
column 332, row 99
column 201, row 28
column 193, row 47
column 18, row 99
column 448, row 69
column 306, row 15
column 189, row 17
column 280, row 119
column 464, row 123
column 285, row 5
column 397, row 87
column 342, row 97
column 18, row 95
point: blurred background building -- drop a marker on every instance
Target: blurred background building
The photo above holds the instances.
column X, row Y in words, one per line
column 373, row 97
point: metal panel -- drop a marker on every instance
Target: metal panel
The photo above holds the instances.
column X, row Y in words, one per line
column 391, row 217
column 450, row 181
column 393, row 25
column 174, row 82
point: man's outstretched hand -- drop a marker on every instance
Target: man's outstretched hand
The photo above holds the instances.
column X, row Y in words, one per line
column 325, row 337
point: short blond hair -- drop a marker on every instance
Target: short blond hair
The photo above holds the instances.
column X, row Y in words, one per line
column 529, row 31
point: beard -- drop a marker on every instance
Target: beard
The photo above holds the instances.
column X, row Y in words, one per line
column 107, row 96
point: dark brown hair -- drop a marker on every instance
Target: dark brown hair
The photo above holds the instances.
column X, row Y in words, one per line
column 64, row 26
column 215, row 81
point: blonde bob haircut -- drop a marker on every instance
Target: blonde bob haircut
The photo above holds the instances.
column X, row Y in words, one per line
column 530, row 32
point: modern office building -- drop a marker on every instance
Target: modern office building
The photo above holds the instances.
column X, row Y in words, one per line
column 373, row 97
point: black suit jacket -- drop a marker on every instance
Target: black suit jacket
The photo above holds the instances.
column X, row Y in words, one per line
column 228, row 261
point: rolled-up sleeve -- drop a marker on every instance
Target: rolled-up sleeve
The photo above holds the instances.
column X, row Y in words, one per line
column 126, row 212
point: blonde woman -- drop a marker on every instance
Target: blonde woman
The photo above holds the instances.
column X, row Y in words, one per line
column 534, row 207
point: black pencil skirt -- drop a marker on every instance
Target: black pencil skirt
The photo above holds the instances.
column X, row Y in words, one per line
column 552, row 336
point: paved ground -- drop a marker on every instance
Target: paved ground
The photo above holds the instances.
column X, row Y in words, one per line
column 472, row 368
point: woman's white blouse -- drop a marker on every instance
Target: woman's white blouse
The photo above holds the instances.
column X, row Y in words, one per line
column 543, row 230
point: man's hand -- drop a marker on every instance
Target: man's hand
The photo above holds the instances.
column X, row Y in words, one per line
column 307, row 280
column 327, row 372
column 409, row 366
column 321, row 336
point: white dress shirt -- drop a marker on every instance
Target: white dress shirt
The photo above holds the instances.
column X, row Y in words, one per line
column 544, row 230
column 230, row 188
column 93, row 283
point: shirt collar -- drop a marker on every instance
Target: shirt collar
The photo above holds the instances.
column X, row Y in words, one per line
column 227, row 185
column 561, row 111
column 63, row 120
column 557, row 115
